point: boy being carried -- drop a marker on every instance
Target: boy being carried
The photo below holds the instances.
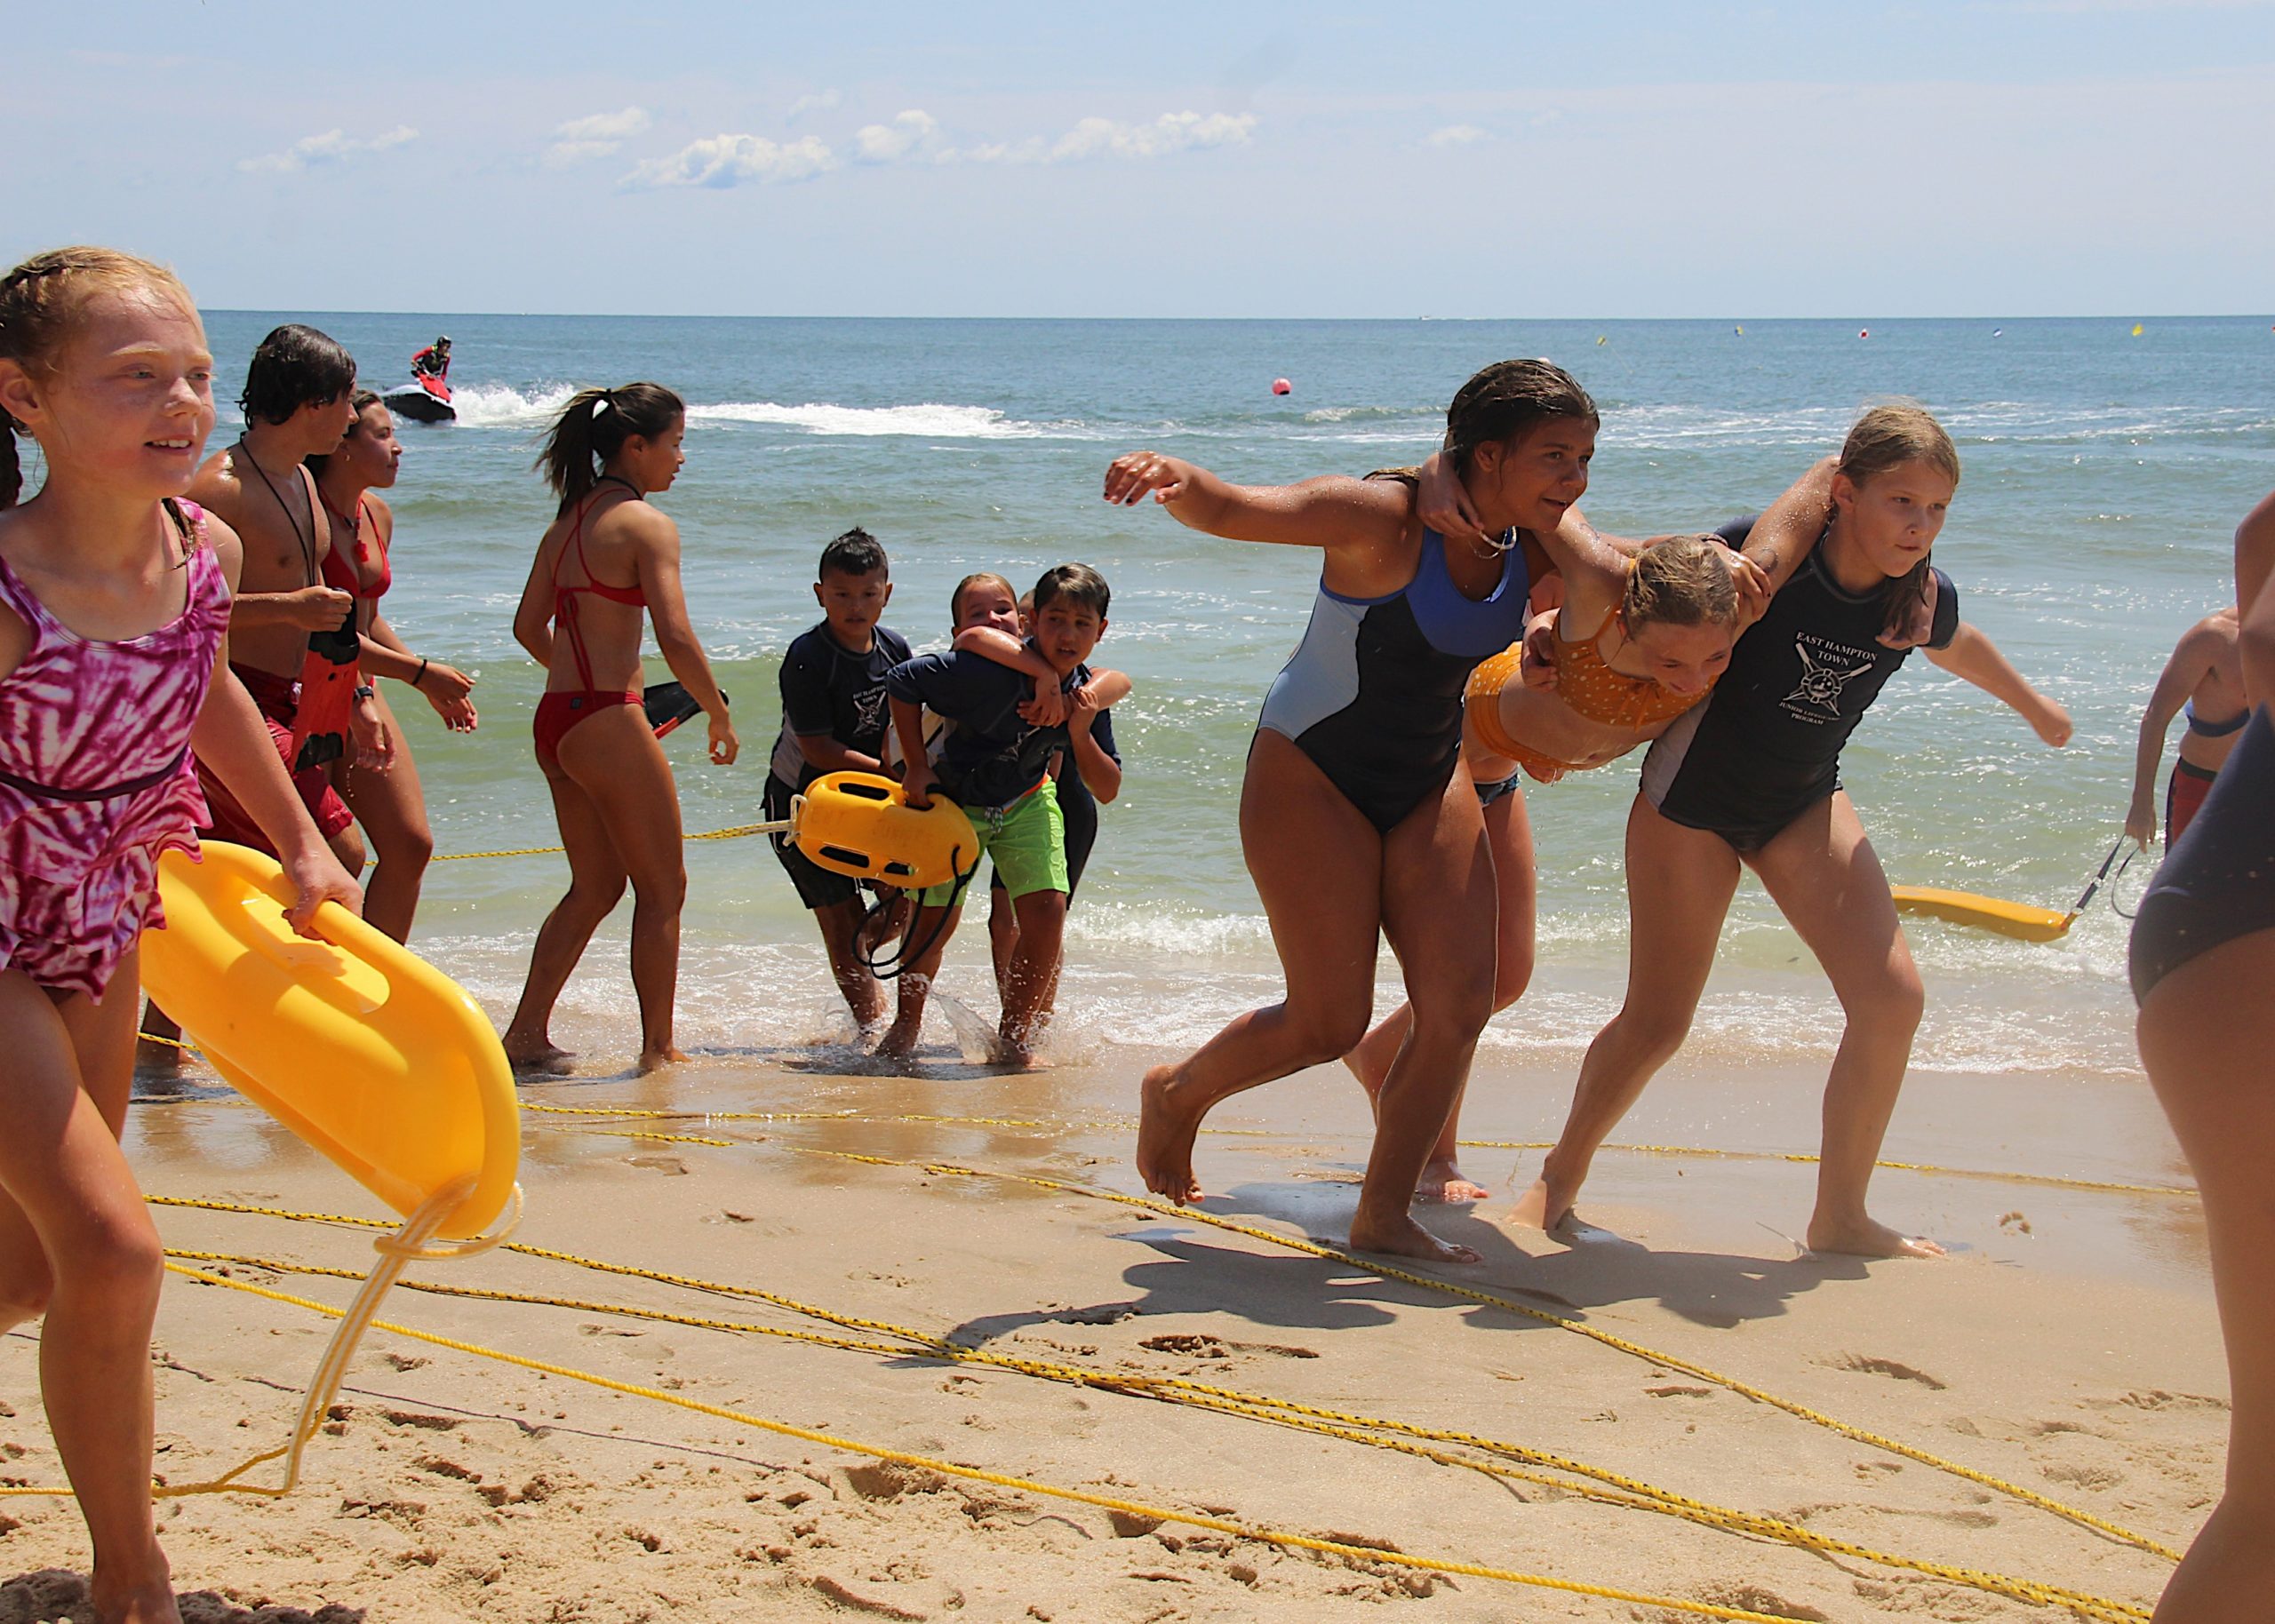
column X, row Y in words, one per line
column 834, row 720
column 995, row 765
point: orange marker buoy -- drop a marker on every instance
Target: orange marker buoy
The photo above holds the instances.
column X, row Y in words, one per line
column 1280, row 386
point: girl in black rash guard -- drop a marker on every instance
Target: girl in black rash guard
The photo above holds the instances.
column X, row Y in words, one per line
column 1753, row 778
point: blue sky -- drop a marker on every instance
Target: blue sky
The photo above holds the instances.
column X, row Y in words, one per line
column 1645, row 159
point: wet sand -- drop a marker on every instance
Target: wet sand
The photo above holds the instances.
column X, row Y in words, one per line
column 2068, row 1347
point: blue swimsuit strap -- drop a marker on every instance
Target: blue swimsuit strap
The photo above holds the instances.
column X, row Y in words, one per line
column 2215, row 730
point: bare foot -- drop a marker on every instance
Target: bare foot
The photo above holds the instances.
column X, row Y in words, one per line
column 152, row 1055
column 150, row 1602
column 655, row 1060
column 1166, row 1125
column 899, row 1041
column 1862, row 1237
column 1442, row 1182
column 1401, row 1237
column 537, row 1056
column 1546, row 1206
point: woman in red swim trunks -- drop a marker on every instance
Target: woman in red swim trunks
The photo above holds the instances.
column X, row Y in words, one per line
column 387, row 800
column 608, row 557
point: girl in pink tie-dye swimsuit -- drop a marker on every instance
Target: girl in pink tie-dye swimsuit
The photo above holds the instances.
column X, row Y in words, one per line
column 95, row 774
column 114, row 639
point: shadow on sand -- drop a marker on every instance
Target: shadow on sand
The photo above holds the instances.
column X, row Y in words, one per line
column 58, row 1593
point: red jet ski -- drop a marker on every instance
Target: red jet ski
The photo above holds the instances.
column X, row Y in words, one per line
column 427, row 397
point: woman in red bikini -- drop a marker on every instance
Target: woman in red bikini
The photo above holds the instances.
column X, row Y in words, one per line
column 387, row 800
column 609, row 556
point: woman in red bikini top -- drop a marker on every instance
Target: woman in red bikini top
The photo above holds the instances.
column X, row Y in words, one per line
column 609, row 560
column 388, row 803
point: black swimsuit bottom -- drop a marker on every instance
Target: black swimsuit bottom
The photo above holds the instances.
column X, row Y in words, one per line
column 2218, row 883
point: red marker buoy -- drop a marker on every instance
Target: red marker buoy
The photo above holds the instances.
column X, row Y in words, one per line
column 1864, row 332
column 1280, row 386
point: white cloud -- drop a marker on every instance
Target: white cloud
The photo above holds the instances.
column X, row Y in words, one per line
column 332, row 146
column 1456, row 135
column 912, row 133
column 1097, row 138
column 595, row 135
column 821, row 101
column 724, row 161
column 914, row 137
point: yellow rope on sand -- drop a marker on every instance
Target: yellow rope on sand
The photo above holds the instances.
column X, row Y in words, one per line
column 948, row 1468
column 1649, row 1355
column 1630, row 1492
column 734, row 833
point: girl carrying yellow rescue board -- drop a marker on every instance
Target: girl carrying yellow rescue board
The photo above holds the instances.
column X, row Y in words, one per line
column 113, row 645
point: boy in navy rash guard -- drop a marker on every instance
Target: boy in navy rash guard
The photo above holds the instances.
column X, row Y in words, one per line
column 995, row 765
column 834, row 719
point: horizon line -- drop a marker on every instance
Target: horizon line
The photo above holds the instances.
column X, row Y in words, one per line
column 620, row 315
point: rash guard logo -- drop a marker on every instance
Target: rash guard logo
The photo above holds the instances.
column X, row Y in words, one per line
column 869, row 710
column 1827, row 668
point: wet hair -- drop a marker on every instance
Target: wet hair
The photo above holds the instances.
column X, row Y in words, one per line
column 1508, row 399
column 41, row 301
column 1893, row 434
column 1683, row 581
column 1078, row 584
column 295, row 366
column 361, row 401
column 593, row 427
column 955, row 598
column 855, row 552
column 1884, row 439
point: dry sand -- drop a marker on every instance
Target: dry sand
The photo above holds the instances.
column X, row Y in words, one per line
column 2069, row 1347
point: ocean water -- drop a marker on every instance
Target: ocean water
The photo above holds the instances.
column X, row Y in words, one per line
column 2104, row 474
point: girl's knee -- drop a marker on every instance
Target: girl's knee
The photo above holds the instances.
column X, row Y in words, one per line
column 1456, row 999
column 1325, row 1035
column 1893, row 1001
column 1649, row 1036
column 119, row 1258
column 1511, row 977
column 592, row 900
column 666, row 888
column 411, row 847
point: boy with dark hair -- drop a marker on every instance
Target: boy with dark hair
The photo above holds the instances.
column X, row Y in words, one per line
column 293, row 638
column 834, row 720
column 1013, row 709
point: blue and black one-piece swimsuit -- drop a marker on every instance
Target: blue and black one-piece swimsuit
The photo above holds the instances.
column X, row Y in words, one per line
column 1373, row 694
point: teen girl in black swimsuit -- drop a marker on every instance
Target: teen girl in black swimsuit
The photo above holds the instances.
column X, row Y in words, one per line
column 1752, row 777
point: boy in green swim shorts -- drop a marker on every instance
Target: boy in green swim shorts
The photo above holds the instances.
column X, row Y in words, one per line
column 1009, row 720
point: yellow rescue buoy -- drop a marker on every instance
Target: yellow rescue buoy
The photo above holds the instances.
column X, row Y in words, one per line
column 2017, row 919
column 861, row 825
column 353, row 1042
column 2020, row 920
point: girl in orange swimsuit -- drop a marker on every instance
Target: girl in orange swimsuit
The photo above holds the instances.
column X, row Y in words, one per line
column 612, row 790
column 1662, row 629
column 388, row 801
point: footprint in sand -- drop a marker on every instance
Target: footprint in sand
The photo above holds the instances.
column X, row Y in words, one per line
column 1866, row 1364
